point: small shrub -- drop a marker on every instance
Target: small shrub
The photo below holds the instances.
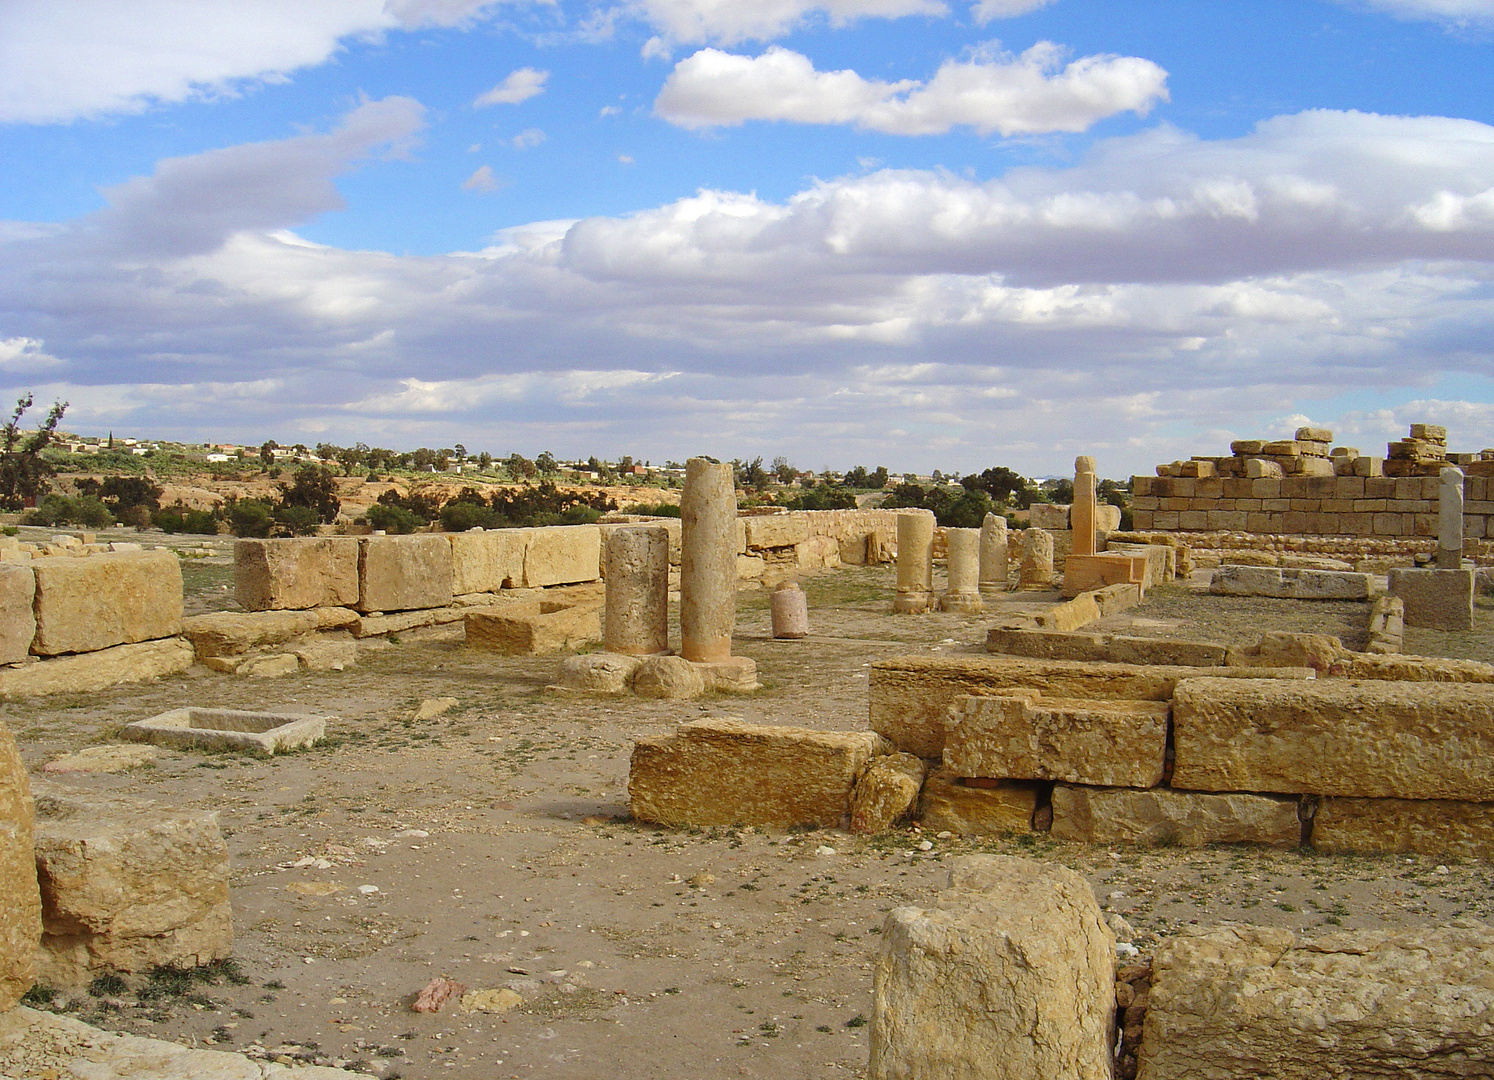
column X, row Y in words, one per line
column 392, row 519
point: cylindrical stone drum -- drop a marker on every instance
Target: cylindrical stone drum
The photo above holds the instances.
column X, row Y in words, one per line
column 636, row 569
column 915, row 562
column 790, row 610
column 708, row 561
column 994, row 553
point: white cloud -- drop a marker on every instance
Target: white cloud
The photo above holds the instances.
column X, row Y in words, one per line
column 413, row 14
column 483, row 180
column 986, row 11
column 730, row 22
column 527, row 139
column 22, row 354
column 1014, row 95
column 1465, row 12
column 520, row 85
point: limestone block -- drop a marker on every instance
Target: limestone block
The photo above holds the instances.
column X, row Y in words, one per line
column 776, row 531
column 127, row 884
column 88, row 672
column 1048, row 516
column 1281, row 648
column 271, row 666
column 887, row 792
column 1435, row 599
column 1083, row 573
column 496, row 630
column 1028, row 737
column 83, row 605
column 1167, row 816
column 1441, row 828
column 1289, row 584
column 1371, row 739
column 400, row 621
column 230, row 633
column 991, row 808
column 488, row 560
column 327, row 652
column 817, row 552
column 1071, row 614
column 601, row 673
column 1161, row 560
column 298, row 573
column 1116, row 598
column 399, row 573
column 669, row 678
column 17, row 617
column 1241, row 1002
column 1112, row 648
column 1400, row 667
column 727, row 772
column 20, row 904
column 751, row 567
column 909, row 697
column 562, row 555
column 1010, row 975
column 734, row 675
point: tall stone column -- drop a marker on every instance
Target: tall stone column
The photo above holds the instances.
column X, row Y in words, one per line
column 1037, row 559
column 1082, row 512
column 708, row 562
column 994, row 554
column 636, row 568
column 1450, row 521
column 962, row 547
column 915, row 563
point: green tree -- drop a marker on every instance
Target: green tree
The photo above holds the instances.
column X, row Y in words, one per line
column 314, row 488
column 267, row 454
column 783, row 470
column 24, row 475
column 1000, row 483
column 250, row 517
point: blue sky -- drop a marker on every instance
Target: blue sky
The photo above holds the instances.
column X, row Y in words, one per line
column 921, row 233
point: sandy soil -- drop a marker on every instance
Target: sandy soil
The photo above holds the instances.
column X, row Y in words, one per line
column 492, row 845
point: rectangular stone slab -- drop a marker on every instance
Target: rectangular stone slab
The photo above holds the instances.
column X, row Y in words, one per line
column 562, row 555
column 98, row 601
column 17, row 616
column 402, row 573
column 1441, row 828
column 512, row 634
column 1107, row 648
column 87, row 672
column 485, row 561
column 1434, row 599
column 1165, row 816
column 1369, row 739
column 295, row 573
column 1289, row 584
column 726, row 772
column 1029, row 737
column 994, row 810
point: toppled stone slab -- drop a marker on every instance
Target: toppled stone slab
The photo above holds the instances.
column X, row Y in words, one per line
column 1443, row 828
column 1387, row 625
column 1024, row 736
column 102, row 759
column 327, row 652
column 600, row 673
column 1323, row 653
column 127, row 884
column 726, row 772
column 88, row 672
column 1370, row 739
column 229, row 633
column 1009, row 975
column 496, row 630
column 1107, row 648
column 397, row 623
column 17, row 617
column 402, row 573
column 992, row 809
column 20, row 903
column 1404, row 667
column 84, row 605
column 1164, row 816
column 296, row 573
column 1241, row 1002
column 1289, row 583
column 887, row 792
column 910, row 696
column 228, row 729
column 1434, row 599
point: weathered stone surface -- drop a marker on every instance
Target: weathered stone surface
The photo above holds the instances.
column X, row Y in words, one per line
column 127, row 884
column 1408, row 668
column 637, row 591
column 20, row 904
column 915, row 562
column 734, row 675
column 910, row 696
column 83, row 605
column 1442, row 828
column 1010, row 975
column 726, row 772
column 1241, row 1002
column 817, row 552
column 1372, row 739
column 1435, row 599
column 601, row 673
column 267, row 666
column 1166, row 816
column 668, row 678
column 297, row 573
column 776, row 531
column 1289, row 584
column 327, row 652
column 708, row 571
column 1025, row 736
column 1108, row 648
column 1071, row 614
column 228, row 633
column 229, row 729
column 1387, row 625
column 1083, row 573
column 789, row 611
column 1161, row 560
column 376, row 625
column 17, row 617
column 398, row 573
column 562, row 555
column 947, row 804
column 88, row 672
column 1036, row 570
column 102, row 759
column 886, row 793
column 531, row 635
column 487, row 560
column 1280, row 648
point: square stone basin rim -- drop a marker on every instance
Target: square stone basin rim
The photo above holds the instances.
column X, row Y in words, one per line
column 229, row 729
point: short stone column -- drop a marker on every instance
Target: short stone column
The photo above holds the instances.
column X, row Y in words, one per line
column 915, row 563
column 1450, row 521
column 1082, row 511
column 790, row 611
column 636, row 568
column 1037, row 559
column 962, row 547
column 994, row 554
column 708, row 561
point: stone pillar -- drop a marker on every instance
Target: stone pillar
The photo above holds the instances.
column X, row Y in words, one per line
column 1037, row 559
column 790, row 611
column 708, row 562
column 994, row 554
column 1082, row 512
column 1450, row 521
column 963, row 550
column 636, row 568
column 915, row 563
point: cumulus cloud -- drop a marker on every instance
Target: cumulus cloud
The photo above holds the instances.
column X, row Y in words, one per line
column 730, row 22
column 986, row 11
column 520, row 85
column 483, row 180
column 1033, row 93
column 527, row 139
column 412, row 14
column 21, row 355
column 1464, row 12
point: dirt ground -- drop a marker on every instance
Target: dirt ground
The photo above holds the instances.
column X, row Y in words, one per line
column 492, row 845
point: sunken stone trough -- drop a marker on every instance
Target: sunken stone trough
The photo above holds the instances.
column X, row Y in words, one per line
column 228, row 729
